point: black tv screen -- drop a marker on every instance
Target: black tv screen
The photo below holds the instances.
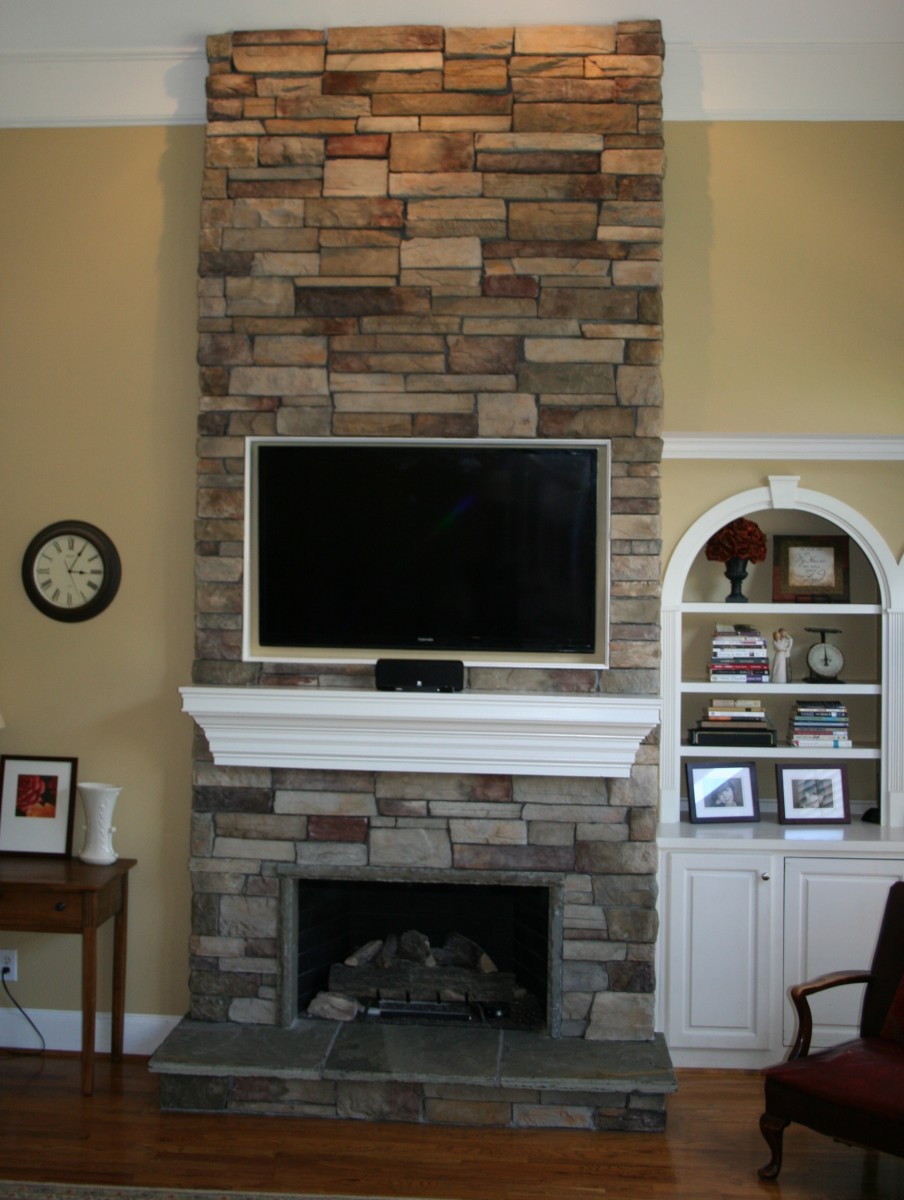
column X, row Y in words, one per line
column 438, row 547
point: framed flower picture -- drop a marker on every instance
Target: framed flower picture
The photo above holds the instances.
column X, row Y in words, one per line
column 37, row 805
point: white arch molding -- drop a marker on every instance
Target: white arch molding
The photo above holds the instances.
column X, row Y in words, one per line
column 783, row 492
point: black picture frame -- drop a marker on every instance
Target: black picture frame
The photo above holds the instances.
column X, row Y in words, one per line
column 811, row 569
column 720, row 791
column 37, row 804
column 812, row 794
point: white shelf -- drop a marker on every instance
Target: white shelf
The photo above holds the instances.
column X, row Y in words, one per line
column 801, row 610
column 817, row 752
column 783, row 689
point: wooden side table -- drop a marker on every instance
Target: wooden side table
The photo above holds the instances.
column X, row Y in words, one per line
column 65, row 895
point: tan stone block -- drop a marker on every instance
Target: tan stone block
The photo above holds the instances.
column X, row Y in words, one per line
column 279, row 59
column 290, row 351
column 479, row 43
column 489, row 355
column 355, row 177
column 356, row 260
column 351, row 214
column 388, row 125
column 257, row 238
column 611, row 65
column 259, row 107
column 474, row 124
column 404, row 61
column 547, row 66
column 231, row 152
column 277, row 263
column 309, row 106
column 358, row 237
column 565, row 90
column 573, row 350
column 475, row 74
column 275, row 151
column 558, row 222
column 634, row 162
column 546, row 187
column 423, row 152
column 625, row 330
column 460, row 210
column 225, row 84
column 234, row 129
column 371, row 381
column 277, row 381
column 511, row 415
column 444, row 104
column 629, row 233
column 371, row 83
column 311, row 126
column 443, row 282
column 639, row 386
column 441, row 252
column 463, row 383
column 564, row 39
column 400, row 402
column 520, row 143
column 597, row 118
column 260, row 297
column 275, row 87
column 386, row 37
column 435, row 183
column 637, row 274
column 402, row 364
column 279, row 37
column 271, row 212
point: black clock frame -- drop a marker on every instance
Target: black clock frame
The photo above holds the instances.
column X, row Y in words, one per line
column 112, row 571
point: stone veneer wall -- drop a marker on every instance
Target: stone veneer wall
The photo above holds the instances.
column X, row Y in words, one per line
column 432, row 232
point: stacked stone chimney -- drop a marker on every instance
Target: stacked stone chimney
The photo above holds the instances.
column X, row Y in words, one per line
column 428, row 232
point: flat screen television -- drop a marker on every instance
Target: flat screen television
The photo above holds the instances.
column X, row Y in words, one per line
column 480, row 550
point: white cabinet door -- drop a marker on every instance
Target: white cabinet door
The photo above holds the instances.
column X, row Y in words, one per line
column 833, row 908
column 722, row 957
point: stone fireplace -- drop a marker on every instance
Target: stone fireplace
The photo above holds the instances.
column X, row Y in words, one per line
column 417, row 231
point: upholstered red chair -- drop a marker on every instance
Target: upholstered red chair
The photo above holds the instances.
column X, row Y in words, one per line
column 853, row 1092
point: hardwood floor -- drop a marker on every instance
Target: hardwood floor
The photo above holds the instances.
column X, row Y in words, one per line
column 49, row 1131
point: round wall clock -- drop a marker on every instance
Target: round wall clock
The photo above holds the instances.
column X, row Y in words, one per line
column 71, row 571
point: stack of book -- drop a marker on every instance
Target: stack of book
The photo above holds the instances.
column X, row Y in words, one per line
column 733, row 722
column 739, row 655
column 820, row 723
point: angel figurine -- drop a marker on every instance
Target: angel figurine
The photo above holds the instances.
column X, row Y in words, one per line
column 782, row 643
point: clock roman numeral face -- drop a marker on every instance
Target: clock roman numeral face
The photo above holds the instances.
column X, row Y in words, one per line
column 68, row 571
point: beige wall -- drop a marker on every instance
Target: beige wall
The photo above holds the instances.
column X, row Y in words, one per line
column 783, row 314
column 99, row 396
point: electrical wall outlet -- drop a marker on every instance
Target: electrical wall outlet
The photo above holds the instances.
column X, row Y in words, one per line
column 9, row 965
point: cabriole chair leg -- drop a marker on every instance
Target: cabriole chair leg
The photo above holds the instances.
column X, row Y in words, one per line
column 772, row 1129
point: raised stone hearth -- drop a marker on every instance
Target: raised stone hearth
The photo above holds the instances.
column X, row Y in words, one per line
column 417, row 231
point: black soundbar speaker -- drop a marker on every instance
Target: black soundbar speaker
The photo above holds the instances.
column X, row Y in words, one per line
column 420, row 675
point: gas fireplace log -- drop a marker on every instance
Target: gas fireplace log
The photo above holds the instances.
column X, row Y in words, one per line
column 421, row 983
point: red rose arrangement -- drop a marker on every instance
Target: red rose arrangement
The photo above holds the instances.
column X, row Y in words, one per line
column 738, row 539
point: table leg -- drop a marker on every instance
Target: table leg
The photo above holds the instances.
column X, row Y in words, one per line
column 89, row 1005
column 120, row 924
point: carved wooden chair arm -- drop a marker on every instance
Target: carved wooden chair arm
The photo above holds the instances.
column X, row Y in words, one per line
column 799, row 993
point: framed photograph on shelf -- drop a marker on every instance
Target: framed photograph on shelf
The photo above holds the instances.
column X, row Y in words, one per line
column 812, row 794
column 810, row 569
column 722, row 791
column 37, row 805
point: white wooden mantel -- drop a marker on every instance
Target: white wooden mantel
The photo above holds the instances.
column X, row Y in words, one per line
column 457, row 732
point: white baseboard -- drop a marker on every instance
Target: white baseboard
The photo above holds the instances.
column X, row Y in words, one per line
column 62, row 1030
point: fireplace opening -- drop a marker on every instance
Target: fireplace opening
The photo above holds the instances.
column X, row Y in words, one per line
column 485, row 959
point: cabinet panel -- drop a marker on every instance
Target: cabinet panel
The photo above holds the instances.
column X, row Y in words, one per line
column 833, row 908
column 720, row 949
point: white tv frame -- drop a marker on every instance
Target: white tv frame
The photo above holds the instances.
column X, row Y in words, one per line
column 252, row 651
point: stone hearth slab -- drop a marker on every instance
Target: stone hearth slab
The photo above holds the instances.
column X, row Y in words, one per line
column 423, row 1073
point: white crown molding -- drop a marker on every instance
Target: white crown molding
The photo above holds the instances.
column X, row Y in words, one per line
column 702, row 82
column 783, row 447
